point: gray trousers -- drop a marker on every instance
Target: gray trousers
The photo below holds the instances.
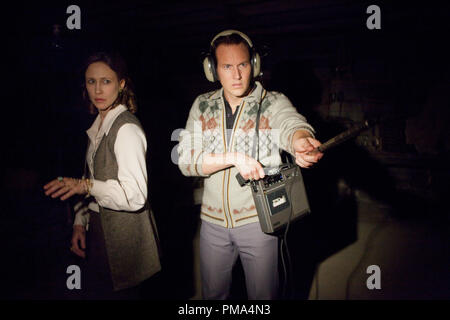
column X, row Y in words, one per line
column 219, row 249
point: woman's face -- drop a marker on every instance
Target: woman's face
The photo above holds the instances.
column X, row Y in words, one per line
column 102, row 85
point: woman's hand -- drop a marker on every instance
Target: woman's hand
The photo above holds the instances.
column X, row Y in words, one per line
column 65, row 187
column 79, row 241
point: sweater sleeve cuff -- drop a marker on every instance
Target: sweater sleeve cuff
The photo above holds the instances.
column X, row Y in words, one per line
column 291, row 137
column 198, row 164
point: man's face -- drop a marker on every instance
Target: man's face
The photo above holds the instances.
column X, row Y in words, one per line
column 234, row 71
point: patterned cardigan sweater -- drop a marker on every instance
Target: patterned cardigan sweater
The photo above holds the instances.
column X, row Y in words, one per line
column 224, row 201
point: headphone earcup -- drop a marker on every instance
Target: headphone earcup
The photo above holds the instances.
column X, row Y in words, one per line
column 209, row 68
column 256, row 64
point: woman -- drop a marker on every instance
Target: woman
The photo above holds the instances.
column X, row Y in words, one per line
column 122, row 249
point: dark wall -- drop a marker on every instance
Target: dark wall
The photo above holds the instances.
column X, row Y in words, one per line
column 319, row 53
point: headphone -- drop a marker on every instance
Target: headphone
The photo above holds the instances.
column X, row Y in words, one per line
column 209, row 66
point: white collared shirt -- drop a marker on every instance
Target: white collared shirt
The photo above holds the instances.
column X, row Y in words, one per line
column 129, row 192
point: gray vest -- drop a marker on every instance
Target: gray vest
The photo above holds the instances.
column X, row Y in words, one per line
column 130, row 237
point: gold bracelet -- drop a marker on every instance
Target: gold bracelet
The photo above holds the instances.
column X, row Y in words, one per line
column 88, row 184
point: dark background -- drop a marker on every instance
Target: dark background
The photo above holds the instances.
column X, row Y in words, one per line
column 334, row 69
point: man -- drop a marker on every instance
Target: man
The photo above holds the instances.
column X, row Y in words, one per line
column 217, row 144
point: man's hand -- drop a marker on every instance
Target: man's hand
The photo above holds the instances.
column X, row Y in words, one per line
column 249, row 168
column 304, row 147
column 78, row 241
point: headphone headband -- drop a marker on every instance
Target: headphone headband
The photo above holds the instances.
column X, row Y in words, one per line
column 209, row 64
column 230, row 32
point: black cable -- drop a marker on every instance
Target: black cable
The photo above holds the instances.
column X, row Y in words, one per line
column 283, row 240
column 288, row 275
column 256, row 144
column 290, row 271
column 283, row 295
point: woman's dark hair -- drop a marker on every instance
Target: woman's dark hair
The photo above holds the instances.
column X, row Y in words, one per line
column 117, row 64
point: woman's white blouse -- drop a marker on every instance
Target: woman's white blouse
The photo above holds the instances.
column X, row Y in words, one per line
column 129, row 191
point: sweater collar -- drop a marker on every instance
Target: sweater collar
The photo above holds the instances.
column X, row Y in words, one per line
column 255, row 95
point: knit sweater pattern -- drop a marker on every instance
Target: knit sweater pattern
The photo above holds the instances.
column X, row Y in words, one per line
column 224, row 201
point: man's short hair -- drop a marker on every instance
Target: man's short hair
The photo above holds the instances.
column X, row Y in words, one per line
column 233, row 38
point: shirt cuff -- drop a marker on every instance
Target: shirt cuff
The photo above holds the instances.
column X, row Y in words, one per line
column 97, row 189
column 81, row 219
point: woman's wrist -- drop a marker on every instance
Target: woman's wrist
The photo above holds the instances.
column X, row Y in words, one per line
column 79, row 227
column 87, row 185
